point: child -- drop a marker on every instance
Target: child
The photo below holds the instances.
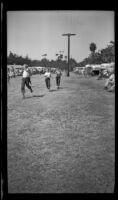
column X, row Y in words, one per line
column 25, row 81
column 58, row 77
column 47, row 76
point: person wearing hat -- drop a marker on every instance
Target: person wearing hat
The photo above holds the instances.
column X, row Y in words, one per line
column 26, row 80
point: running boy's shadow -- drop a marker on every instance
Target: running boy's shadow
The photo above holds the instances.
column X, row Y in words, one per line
column 62, row 87
column 53, row 90
column 42, row 95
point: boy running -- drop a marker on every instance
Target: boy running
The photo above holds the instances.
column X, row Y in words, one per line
column 47, row 76
column 58, row 77
column 25, row 81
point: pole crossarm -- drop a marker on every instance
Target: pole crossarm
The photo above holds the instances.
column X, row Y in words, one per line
column 68, row 34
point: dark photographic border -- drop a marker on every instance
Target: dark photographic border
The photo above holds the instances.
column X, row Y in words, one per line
column 4, row 187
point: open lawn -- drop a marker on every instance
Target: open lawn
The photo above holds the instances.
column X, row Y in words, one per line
column 62, row 141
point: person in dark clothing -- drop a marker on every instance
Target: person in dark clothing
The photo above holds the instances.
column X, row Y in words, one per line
column 58, row 77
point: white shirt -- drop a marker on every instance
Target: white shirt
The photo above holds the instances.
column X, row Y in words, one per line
column 47, row 74
column 25, row 74
column 58, row 73
column 11, row 73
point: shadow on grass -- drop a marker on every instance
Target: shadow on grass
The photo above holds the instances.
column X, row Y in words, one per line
column 53, row 90
column 42, row 95
column 62, row 87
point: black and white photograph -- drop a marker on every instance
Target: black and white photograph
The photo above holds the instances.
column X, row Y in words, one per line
column 60, row 101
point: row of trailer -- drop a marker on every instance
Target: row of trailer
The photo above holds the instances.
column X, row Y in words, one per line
column 104, row 69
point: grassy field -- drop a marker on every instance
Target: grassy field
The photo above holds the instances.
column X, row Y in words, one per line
column 62, row 141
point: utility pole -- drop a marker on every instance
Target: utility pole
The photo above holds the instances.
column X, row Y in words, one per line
column 68, row 34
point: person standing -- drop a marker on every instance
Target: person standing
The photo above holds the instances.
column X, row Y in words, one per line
column 58, row 77
column 47, row 76
column 26, row 80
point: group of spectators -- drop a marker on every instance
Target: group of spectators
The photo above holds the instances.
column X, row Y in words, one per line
column 110, row 79
column 110, row 83
column 12, row 73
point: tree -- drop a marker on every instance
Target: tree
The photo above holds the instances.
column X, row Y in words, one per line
column 108, row 54
column 10, row 58
column 93, row 47
column 105, row 55
column 112, row 42
column 73, row 63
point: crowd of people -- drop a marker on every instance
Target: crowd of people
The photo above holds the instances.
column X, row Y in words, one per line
column 110, row 79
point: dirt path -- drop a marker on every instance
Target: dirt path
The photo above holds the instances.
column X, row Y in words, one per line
column 61, row 141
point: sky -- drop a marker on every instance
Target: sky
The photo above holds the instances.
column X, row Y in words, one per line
column 35, row 33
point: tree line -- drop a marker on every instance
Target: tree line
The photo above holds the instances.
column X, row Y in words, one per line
column 14, row 59
column 105, row 55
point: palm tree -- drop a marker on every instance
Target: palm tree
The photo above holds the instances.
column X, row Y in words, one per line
column 93, row 47
column 112, row 42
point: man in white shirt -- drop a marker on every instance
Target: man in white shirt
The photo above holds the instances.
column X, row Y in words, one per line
column 47, row 76
column 25, row 81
